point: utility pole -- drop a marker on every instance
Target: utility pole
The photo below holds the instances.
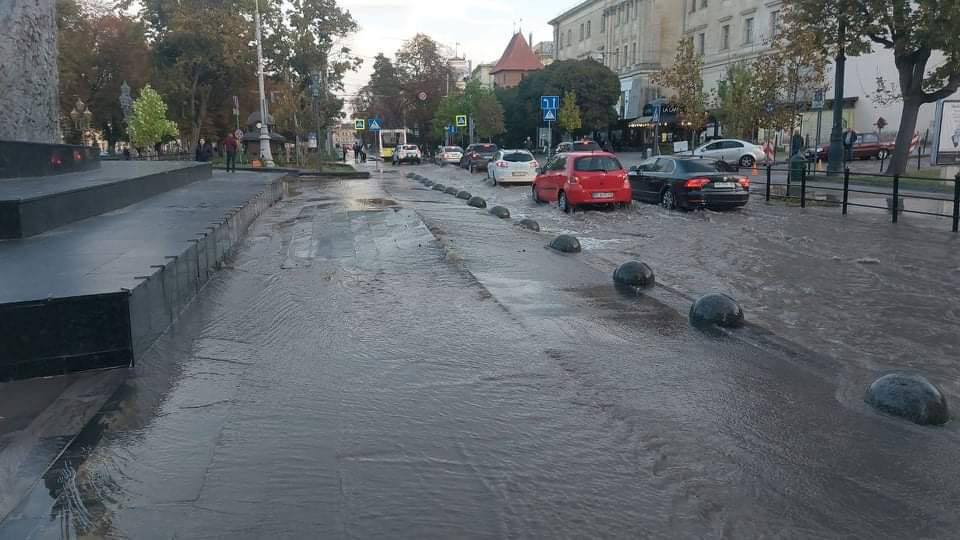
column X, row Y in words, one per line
column 835, row 165
column 265, row 154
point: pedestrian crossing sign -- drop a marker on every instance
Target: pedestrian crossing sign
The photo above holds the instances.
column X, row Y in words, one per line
column 549, row 115
column 374, row 125
column 360, row 124
column 461, row 120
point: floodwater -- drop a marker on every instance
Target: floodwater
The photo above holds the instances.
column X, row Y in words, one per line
column 381, row 360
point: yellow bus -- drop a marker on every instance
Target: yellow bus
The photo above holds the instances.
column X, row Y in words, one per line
column 389, row 140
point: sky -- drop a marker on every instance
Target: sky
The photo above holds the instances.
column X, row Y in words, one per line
column 479, row 29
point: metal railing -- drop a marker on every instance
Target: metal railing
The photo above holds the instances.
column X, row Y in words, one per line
column 799, row 181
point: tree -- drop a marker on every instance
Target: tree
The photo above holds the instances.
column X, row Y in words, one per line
column 148, row 123
column 568, row 118
column 475, row 101
column 913, row 30
column 741, row 102
column 685, row 78
column 488, row 116
column 98, row 51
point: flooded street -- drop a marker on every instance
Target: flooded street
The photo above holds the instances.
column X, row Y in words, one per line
column 380, row 360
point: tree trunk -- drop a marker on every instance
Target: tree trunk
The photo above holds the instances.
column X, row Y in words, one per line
column 28, row 71
column 908, row 124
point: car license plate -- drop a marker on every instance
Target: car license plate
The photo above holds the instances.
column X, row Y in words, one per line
column 724, row 185
column 603, row 195
column 519, row 174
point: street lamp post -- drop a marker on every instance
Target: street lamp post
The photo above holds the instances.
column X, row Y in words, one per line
column 835, row 165
column 265, row 154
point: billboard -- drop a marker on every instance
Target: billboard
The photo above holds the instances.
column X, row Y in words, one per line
column 947, row 145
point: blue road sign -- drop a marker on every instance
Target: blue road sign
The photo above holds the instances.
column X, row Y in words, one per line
column 549, row 102
column 549, row 115
column 374, row 125
column 656, row 114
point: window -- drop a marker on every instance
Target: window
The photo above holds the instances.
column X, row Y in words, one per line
column 636, row 11
column 588, row 29
column 701, row 43
column 616, row 59
column 774, row 24
column 625, row 57
column 633, row 53
column 581, row 31
column 619, row 14
column 693, row 5
column 725, row 37
column 748, row 31
column 703, row 4
column 603, row 23
column 559, row 163
column 597, row 163
column 569, row 36
column 627, row 18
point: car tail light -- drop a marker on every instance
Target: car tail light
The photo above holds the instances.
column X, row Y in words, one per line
column 626, row 182
column 535, row 164
column 696, row 183
column 744, row 182
column 502, row 164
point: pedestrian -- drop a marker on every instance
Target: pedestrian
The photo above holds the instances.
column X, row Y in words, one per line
column 796, row 144
column 363, row 152
column 198, row 153
column 356, row 151
column 230, row 146
column 849, row 139
column 126, row 153
column 207, row 152
column 343, row 147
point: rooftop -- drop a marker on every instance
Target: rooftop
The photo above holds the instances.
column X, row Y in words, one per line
column 518, row 56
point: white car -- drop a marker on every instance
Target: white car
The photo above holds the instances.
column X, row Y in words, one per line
column 743, row 153
column 512, row 166
column 449, row 155
column 407, row 153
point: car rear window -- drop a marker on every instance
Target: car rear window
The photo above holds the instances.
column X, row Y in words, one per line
column 518, row 157
column 586, row 146
column 596, row 163
column 704, row 166
column 486, row 148
column 452, row 149
column 409, row 147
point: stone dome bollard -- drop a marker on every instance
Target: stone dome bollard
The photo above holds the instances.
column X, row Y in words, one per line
column 451, row 190
column 529, row 224
column 426, row 182
column 477, row 202
column 465, row 195
column 634, row 274
column 439, row 187
column 909, row 396
column 566, row 244
column 501, row 212
column 716, row 309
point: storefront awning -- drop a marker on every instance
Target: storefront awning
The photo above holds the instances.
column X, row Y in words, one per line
column 643, row 121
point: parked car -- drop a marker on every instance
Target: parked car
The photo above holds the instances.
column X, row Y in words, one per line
column 449, row 155
column 477, row 155
column 582, row 178
column 407, row 153
column 744, row 153
column 585, row 145
column 512, row 166
column 868, row 146
column 689, row 183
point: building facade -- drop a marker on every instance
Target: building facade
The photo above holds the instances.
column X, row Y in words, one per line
column 544, row 51
column 517, row 61
column 634, row 38
column 482, row 74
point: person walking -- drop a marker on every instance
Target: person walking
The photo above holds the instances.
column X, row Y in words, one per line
column 206, row 152
column 230, row 147
column 356, row 151
column 849, row 139
column 344, row 148
column 796, row 144
column 363, row 152
column 198, row 153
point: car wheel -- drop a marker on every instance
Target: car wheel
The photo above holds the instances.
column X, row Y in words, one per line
column 883, row 154
column 563, row 203
column 667, row 199
column 747, row 161
column 536, row 197
column 472, row 169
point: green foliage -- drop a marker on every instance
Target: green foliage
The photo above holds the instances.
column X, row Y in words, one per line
column 740, row 101
column 568, row 118
column 685, row 79
column 148, row 123
column 912, row 30
column 474, row 101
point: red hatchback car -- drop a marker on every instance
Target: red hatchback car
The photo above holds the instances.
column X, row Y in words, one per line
column 582, row 178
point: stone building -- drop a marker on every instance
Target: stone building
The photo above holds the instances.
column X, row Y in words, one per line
column 517, row 61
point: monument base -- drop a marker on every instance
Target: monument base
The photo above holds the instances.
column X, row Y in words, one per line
column 19, row 159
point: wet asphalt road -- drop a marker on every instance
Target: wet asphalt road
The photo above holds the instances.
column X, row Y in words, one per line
column 382, row 361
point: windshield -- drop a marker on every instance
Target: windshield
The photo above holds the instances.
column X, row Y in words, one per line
column 703, row 165
column 585, row 146
column 518, row 157
column 486, row 148
column 409, row 147
column 453, row 149
column 597, row 163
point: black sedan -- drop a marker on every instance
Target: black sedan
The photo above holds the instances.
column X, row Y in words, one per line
column 689, row 183
column 476, row 157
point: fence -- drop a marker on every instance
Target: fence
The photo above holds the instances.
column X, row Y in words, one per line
column 798, row 182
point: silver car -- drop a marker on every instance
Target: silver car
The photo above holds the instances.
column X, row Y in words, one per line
column 449, row 155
